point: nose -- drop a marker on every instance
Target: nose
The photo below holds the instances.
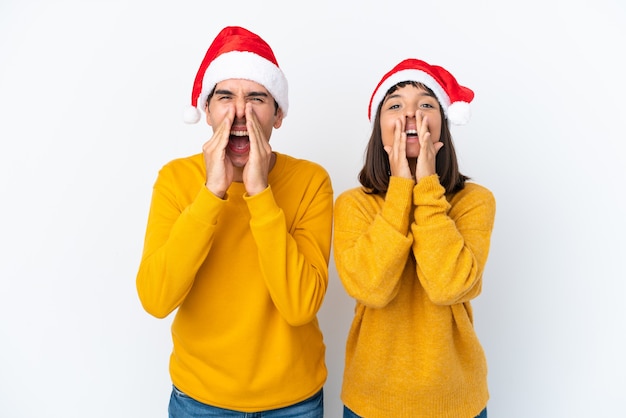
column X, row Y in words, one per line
column 411, row 112
column 240, row 108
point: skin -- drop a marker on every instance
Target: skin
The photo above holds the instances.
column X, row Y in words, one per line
column 244, row 108
column 411, row 127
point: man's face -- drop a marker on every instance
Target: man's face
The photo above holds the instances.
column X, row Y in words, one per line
column 231, row 96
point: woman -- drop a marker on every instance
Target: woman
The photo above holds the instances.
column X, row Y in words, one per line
column 410, row 246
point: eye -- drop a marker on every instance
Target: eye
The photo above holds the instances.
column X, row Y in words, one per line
column 256, row 98
column 429, row 103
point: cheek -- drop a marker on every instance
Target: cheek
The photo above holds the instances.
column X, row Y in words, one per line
column 387, row 138
column 387, row 129
column 219, row 109
column 208, row 116
column 435, row 131
column 217, row 114
column 265, row 120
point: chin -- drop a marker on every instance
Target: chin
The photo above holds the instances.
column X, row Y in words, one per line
column 238, row 161
column 412, row 152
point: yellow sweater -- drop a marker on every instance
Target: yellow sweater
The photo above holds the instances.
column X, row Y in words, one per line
column 248, row 276
column 413, row 260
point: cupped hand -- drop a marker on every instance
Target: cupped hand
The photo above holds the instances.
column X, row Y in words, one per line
column 398, row 163
column 426, row 160
column 219, row 168
column 256, row 170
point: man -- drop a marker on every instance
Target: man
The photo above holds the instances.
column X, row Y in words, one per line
column 238, row 243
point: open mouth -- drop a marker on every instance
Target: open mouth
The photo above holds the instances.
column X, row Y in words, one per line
column 239, row 133
column 411, row 132
column 239, row 142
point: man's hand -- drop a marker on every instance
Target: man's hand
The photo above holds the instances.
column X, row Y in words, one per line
column 256, row 170
column 219, row 169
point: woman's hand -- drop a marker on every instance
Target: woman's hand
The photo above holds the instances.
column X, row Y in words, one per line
column 426, row 160
column 398, row 163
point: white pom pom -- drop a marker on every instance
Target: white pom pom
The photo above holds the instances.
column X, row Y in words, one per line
column 459, row 113
column 191, row 115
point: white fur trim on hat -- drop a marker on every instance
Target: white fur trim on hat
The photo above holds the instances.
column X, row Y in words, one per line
column 459, row 113
column 191, row 115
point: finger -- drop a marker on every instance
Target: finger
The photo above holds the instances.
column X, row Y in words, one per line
column 423, row 135
column 252, row 125
column 223, row 132
column 257, row 135
column 219, row 140
column 422, row 122
column 399, row 140
column 398, row 163
column 392, row 150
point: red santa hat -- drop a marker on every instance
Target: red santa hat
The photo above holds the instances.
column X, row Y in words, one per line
column 237, row 53
column 453, row 97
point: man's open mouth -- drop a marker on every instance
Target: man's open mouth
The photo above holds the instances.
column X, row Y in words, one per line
column 239, row 142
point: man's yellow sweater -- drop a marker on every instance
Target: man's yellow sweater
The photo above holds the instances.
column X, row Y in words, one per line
column 247, row 276
column 413, row 260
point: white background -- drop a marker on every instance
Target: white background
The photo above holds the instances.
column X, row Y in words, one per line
column 91, row 102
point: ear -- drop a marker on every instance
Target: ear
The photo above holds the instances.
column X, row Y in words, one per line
column 278, row 121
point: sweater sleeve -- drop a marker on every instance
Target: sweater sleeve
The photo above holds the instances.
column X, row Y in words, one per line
column 451, row 240
column 176, row 243
column 372, row 242
column 294, row 261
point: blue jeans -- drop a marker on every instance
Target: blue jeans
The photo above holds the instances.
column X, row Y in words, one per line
column 347, row 413
column 182, row 406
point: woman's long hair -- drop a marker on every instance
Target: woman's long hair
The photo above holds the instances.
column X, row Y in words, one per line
column 374, row 176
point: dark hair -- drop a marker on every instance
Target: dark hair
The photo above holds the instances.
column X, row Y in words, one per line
column 208, row 99
column 374, row 176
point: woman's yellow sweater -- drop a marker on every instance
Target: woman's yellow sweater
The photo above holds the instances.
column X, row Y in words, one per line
column 414, row 260
column 247, row 276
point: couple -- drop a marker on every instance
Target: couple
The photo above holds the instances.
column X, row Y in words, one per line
column 238, row 243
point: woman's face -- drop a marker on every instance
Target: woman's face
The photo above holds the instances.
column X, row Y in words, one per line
column 412, row 106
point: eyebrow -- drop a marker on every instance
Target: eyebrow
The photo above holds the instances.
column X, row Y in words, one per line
column 250, row 94
column 396, row 95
